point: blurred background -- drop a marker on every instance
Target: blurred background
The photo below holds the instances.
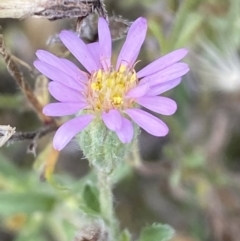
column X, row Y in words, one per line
column 189, row 179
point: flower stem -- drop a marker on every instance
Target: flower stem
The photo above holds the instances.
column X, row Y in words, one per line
column 106, row 197
column 106, row 203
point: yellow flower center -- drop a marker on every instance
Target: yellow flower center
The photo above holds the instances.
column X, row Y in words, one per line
column 107, row 89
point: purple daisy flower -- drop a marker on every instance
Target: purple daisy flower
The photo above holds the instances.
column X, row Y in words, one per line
column 112, row 94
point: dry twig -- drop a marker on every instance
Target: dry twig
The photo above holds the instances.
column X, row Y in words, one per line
column 24, row 86
column 21, row 136
column 50, row 9
column 34, row 136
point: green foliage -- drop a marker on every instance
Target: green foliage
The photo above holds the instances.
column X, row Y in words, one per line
column 32, row 229
column 42, row 206
column 187, row 22
column 157, row 232
column 90, row 200
column 27, row 202
column 125, row 236
column 8, row 170
column 10, row 101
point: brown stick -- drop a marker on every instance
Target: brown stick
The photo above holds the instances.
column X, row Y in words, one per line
column 20, row 8
column 26, row 89
column 51, row 9
column 20, row 136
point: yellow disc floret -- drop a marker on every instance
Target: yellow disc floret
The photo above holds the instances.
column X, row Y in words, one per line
column 107, row 89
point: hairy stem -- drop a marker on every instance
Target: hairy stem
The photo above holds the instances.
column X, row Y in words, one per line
column 106, row 202
column 106, row 197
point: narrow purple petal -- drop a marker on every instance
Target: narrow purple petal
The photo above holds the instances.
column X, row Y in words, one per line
column 163, row 87
column 79, row 49
column 94, row 49
column 64, row 65
column 148, row 122
column 135, row 38
column 57, row 75
column 105, row 42
column 74, row 71
column 138, row 91
column 62, row 109
column 62, row 93
column 70, row 129
column 112, row 119
column 125, row 133
column 131, row 64
column 49, row 58
column 172, row 72
column 158, row 104
column 163, row 62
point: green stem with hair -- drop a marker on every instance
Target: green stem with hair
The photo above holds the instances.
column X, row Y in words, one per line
column 106, row 200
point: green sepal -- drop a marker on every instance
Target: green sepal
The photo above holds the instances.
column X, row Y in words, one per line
column 102, row 146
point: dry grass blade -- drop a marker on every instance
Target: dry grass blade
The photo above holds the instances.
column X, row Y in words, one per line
column 51, row 9
column 26, row 89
